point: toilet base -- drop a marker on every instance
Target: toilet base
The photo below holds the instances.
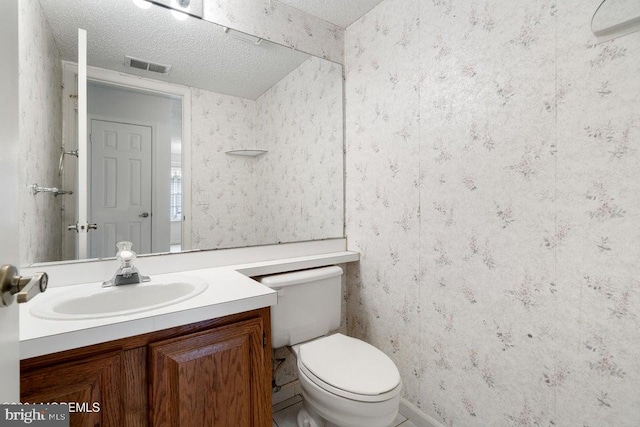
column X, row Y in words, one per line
column 307, row 417
column 322, row 409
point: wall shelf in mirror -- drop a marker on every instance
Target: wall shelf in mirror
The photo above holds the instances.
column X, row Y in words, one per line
column 246, row 153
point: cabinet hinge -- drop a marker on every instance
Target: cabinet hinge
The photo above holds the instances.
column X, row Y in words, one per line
column 264, row 339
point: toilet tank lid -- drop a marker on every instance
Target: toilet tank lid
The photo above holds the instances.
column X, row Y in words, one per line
column 302, row 276
column 350, row 365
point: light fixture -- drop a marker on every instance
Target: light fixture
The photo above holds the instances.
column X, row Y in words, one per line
column 177, row 6
column 142, row 4
column 181, row 9
column 183, row 5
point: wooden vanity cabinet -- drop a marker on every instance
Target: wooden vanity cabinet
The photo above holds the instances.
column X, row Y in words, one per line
column 213, row 373
column 90, row 381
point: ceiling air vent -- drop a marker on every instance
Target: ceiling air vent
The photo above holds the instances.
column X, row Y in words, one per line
column 141, row 64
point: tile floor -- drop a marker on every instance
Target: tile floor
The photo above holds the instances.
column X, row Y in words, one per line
column 284, row 414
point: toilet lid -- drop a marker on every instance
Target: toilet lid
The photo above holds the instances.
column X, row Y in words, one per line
column 350, row 365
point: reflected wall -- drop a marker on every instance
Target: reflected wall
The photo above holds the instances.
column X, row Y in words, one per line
column 40, row 103
column 291, row 193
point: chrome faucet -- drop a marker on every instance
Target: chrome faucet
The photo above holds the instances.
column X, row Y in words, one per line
column 127, row 273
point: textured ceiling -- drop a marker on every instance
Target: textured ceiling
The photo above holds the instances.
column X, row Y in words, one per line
column 339, row 12
column 200, row 53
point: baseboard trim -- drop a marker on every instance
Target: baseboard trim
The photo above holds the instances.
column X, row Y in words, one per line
column 290, row 394
column 416, row 416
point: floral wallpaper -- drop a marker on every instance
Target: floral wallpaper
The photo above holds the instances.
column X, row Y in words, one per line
column 279, row 23
column 299, row 182
column 223, row 186
column 277, row 197
column 492, row 192
column 40, row 71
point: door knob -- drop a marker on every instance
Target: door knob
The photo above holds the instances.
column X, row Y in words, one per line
column 11, row 283
column 77, row 227
column 144, row 215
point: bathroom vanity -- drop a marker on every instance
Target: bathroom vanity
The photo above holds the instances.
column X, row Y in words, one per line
column 216, row 370
column 201, row 361
column 123, row 360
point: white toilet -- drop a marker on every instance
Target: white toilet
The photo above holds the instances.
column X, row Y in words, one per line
column 345, row 382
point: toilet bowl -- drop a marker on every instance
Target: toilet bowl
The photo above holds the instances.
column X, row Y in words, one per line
column 345, row 381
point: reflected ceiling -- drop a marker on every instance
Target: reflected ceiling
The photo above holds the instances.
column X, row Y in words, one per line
column 200, row 53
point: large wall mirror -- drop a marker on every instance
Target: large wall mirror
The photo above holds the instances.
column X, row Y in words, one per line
column 200, row 137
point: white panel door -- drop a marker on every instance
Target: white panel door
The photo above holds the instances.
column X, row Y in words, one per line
column 120, row 189
column 9, row 154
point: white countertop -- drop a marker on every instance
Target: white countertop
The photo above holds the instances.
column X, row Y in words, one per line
column 230, row 291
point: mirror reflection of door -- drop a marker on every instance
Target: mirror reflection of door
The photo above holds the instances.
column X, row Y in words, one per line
column 135, row 165
column 120, row 190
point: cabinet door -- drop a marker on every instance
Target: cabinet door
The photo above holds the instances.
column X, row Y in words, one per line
column 213, row 378
column 91, row 385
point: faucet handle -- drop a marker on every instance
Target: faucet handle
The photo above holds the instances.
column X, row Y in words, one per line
column 124, row 245
column 126, row 256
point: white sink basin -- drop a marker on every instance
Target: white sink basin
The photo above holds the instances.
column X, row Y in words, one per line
column 94, row 301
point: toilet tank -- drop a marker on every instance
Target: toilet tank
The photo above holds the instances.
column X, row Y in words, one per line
column 308, row 306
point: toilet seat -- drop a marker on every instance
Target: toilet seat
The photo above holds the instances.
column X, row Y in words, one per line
column 350, row 368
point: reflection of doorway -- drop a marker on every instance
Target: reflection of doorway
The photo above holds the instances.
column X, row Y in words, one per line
column 120, row 187
column 161, row 113
column 117, row 97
